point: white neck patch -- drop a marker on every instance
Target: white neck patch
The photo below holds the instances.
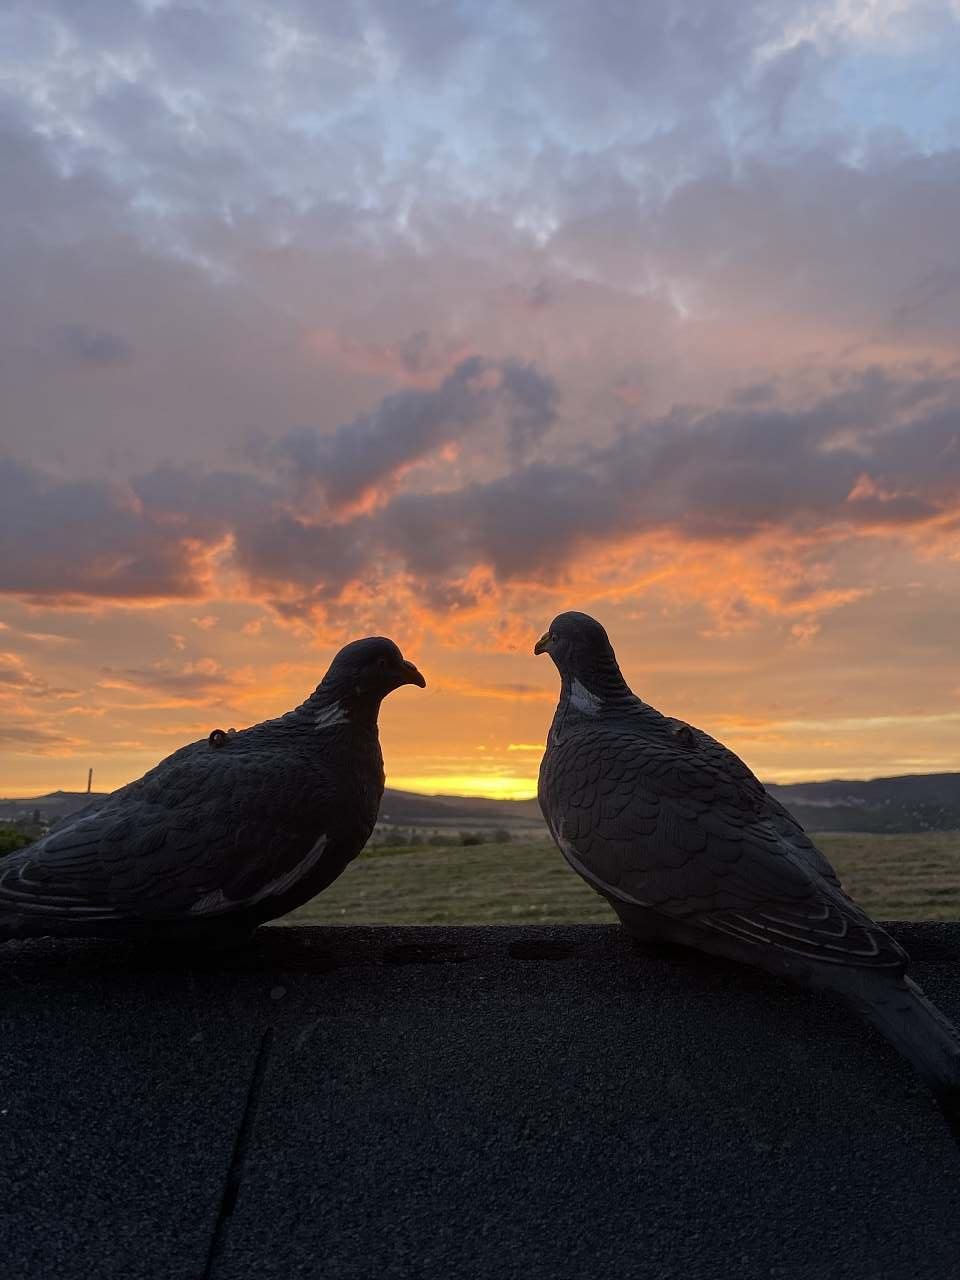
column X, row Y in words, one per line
column 586, row 702
column 336, row 713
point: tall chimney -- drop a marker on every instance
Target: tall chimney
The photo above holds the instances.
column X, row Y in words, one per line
column 89, row 780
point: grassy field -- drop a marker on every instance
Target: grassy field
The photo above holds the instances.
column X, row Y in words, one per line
column 901, row 877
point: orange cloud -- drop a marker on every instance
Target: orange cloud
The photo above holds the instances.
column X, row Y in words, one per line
column 199, row 683
column 510, row 692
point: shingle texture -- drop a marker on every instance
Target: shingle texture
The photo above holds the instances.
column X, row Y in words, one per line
column 418, row 1103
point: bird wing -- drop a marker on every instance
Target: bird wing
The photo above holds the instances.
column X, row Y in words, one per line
column 203, row 832
column 685, row 829
column 723, row 761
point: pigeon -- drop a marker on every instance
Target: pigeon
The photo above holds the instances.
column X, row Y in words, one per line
column 688, row 847
column 226, row 833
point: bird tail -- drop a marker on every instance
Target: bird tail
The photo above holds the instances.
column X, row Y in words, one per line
column 921, row 1033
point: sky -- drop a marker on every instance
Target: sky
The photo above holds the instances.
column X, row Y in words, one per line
column 433, row 318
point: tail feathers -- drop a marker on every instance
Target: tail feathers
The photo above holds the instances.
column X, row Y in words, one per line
column 921, row 1033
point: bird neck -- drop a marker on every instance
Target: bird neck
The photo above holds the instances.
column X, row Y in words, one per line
column 597, row 687
column 330, row 707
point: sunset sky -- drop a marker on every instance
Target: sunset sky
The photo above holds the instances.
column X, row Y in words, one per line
column 432, row 319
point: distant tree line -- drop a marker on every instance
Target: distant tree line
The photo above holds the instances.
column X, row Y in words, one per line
column 11, row 839
column 400, row 837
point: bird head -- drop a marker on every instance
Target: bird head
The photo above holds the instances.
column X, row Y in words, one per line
column 577, row 644
column 370, row 669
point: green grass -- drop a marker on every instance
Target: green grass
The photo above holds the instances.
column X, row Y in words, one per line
column 899, row 877
column 894, row 877
column 11, row 840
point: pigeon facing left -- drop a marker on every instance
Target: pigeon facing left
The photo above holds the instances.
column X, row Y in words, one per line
column 227, row 832
column 688, row 847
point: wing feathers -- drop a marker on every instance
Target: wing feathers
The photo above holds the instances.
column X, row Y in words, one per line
column 684, row 828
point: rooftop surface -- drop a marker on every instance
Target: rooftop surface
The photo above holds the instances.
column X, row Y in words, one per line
column 540, row 1102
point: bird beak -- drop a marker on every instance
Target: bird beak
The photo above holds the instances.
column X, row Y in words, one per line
column 543, row 644
column 412, row 676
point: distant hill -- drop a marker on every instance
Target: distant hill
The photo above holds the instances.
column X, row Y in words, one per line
column 53, row 806
column 915, row 802
column 402, row 808
column 407, row 809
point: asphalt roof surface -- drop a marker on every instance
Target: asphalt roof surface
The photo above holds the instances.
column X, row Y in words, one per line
column 539, row 1102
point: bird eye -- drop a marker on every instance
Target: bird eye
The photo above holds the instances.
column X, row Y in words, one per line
column 381, row 662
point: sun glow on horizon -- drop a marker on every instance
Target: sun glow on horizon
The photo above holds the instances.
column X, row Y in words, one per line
column 472, row 785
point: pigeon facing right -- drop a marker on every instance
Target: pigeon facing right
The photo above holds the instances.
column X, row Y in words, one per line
column 226, row 833
column 688, row 847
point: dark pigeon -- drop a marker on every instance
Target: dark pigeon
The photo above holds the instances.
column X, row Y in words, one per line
column 687, row 847
column 227, row 832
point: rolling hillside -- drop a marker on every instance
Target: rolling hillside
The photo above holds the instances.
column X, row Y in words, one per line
column 915, row 802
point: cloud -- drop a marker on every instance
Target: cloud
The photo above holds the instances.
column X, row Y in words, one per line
column 875, row 454
column 14, row 675
column 826, row 23
column 723, row 476
column 414, row 359
column 158, row 535
column 510, row 691
column 650, row 307
column 16, row 679
column 91, row 346
column 72, row 540
column 349, row 465
column 38, row 740
column 193, row 684
column 668, row 244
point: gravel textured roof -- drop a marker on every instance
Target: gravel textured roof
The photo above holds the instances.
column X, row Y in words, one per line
column 535, row 1102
